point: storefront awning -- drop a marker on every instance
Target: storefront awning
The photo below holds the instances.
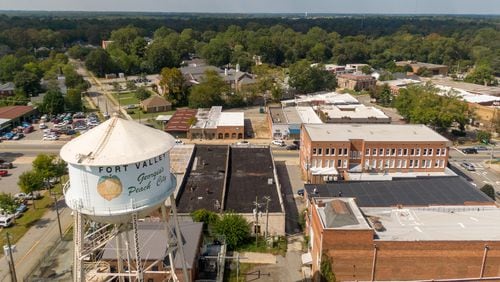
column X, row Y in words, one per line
column 306, row 258
column 324, row 171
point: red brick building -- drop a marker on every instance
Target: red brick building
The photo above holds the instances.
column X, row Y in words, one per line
column 356, row 82
column 396, row 243
column 329, row 151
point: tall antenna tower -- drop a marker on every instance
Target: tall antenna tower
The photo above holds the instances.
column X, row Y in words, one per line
column 114, row 180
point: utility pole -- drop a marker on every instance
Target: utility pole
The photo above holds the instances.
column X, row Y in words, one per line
column 57, row 213
column 12, row 267
column 256, row 215
column 267, row 199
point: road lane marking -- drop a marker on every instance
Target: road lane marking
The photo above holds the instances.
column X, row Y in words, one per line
column 28, row 252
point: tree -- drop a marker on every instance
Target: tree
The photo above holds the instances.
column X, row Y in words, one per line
column 53, row 102
column 483, row 136
column 366, row 69
column 172, row 83
column 159, row 55
column 234, row 227
column 306, row 78
column 326, row 270
column 216, row 52
column 383, row 95
column 131, row 85
column 73, row 100
column 8, row 66
column 482, row 74
column 7, row 203
column 30, row 181
column 209, row 92
column 489, row 191
column 28, row 83
column 99, row 62
column 142, row 93
column 209, row 218
column 44, row 165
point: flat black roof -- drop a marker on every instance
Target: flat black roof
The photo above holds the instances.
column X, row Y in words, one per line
column 205, row 180
column 250, row 171
column 424, row 191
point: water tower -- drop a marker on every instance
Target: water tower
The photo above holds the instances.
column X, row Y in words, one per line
column 119, row 172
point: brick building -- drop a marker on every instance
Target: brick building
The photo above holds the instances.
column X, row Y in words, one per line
column 396, row 243
column 417, row 66
column 331, row 151
column 156, row 104
column 214, row 124
column 356, row 82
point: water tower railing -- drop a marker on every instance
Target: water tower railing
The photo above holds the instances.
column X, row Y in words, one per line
column 65, row 187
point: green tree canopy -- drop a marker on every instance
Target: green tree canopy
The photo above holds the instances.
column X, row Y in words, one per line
column 482, row 74
column 53, row 102
column 30, row 181
column 483, row 136
column 7, row 203
column 142, row 93
column 307, row 79
column 73, row 100
column 234, row 227
column 209, row 92
column 205, row 216
column 28, row 83
column 99, row 62
column 173, row 83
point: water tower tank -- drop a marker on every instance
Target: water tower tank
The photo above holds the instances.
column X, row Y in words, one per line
column 118, row 168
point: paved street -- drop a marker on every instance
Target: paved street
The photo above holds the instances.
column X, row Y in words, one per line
column 36, row 243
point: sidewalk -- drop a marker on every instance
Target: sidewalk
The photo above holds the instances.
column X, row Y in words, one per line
column 36, row 243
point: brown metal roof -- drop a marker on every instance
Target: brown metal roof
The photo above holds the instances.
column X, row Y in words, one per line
column 180, row 120
column 11, row 112
column 155, row 101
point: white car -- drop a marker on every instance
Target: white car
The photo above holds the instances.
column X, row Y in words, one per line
column 6, row 220
column 50, row 138
column 280, row 143
column 42, row 126
column 178, row 142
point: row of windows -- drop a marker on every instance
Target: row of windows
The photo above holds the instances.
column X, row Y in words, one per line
column 330, row 151
column 387, row 163
column 404, row 152
column 413, row 163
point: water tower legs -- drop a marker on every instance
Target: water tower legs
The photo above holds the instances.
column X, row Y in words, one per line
column 179, row 237
column 78, row 235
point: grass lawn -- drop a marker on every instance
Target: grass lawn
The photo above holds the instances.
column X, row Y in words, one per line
column 139, row 114
column 230, row 273
column 279, row 247
column 126, row 98
column 29, row 218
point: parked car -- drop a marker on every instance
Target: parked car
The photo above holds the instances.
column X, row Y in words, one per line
column 6, row 165
column 42, row 126
column 292, row 147
column 6, row 220
column 20, row 210
column 3, row 172
column 468, row 166
column 33, row 196
column 280, row 143
column 481, row 148
column 20, row 196
column 469, row 151
column 50, row 138
column 8, row 136
column 18, row 136
column 178, row 142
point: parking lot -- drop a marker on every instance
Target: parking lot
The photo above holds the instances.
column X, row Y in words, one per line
column 8, row 184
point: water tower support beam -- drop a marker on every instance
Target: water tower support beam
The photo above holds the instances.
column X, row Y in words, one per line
column 78, row 272
column 119, row 259
column 138, row 262
column 169, row 243
column 179, row 237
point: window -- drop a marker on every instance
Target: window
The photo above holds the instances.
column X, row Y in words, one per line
column 404, row 163
column 424, row 162
column 381, row 164
column 438, row 152
column 392, row 163
column 416, row 163
column 374, row 152
column 332, row 163
column 400, row 152
column 443, row 152
column 430, row 152
column 320, row 151
column 367, row 164
column 387, row 163
column 345, row 151
column 411, row 163
column 412, row 152
column 393, row 152
column 381, row 152
column 436, row 164
column 399, row 163
column 441, row 163
column 314, row 151
column 327, row 151
column 405, row 152
column 374, row 163
column 387, row 152
column 333, row 151
column 429, row 163
column 367, row 152
column 339, row 163
column 327, row 164
column 418, row 152
column 345, row 163
column 313, row 163
column 425, row 152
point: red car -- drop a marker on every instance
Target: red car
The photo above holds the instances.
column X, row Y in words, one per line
column 4, row 172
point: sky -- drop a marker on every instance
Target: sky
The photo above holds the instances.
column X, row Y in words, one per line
column 264, row 6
